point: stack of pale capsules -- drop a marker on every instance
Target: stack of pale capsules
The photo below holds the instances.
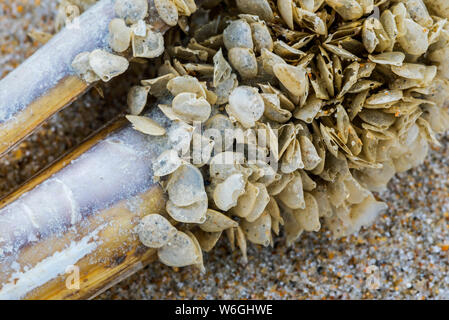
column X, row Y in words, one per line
column 255, row 119
column 282, row 114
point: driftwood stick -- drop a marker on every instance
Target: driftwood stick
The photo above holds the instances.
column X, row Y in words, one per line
column 82, row 211
column 45, row 83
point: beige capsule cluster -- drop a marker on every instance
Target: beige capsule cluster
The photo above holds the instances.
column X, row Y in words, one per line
column 129, row 28
column 347, row 92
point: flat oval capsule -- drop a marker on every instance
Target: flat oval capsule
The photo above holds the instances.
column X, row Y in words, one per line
column 155, row 231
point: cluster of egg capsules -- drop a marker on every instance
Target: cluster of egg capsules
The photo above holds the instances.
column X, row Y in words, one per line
column 332, row 97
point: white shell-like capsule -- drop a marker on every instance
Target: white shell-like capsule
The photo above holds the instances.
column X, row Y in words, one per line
column 244, row 61
column 351, row 74
column 181, row 6
column 186, row 186
column 200, row 263
column 227, row 192
column 310, row 156
column 202, row 148
column 286, row 51
column 322, row 199
column 189, row 54
column 166, row 163
column 167, row 11
column 400, row 14
column 360, row 215
column 389, row 58
column 225, row 164
column 356, row 192
column 217, row 222
column 308, row 217
column 292, row 77
column 139, row 28
column 81, row 66
column 180, row 251
column 261, row 202
column 259, row 230
column 245, row 105
column 150, row 46
column 412, row 71
column 180, row 136
column 307, row 182
column 369, row 37
column 238, row 35
column 308, row 112
column 292, row 158
column 222, row 69
column 119, row 35
column 415, row 40
column 168, row 112
column 211, row 96
column 191, row 5
column 131, row 10
column 313, row 21
column 185, row 7
column 347, row 9
column 261, row 37
column 276, row 187
column 186, row 84
column 72, row 12
column 241, row 242
column 337, row 193
column 194, row 213
column 285, row 8
column 155, row 231
column 276, row 220
column 218, row 127
column 107, row 65
column 340, row 52
column 202, row 69
column 388, row 21
column 293, row 194
column 269, row 60
column 191, row 108
column 363, row 214
column 367, row 5
column 292, row 228
column 418, row 12
column 146, row 125
column 137, row 99
column 225, row 88
column 260, row 8
column 81, row 63
column 158, row 86
column 385, row 96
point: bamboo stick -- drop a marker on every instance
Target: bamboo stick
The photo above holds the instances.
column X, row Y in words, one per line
column 76, row 212
column 45, row 83
column 81, row 211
